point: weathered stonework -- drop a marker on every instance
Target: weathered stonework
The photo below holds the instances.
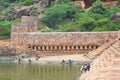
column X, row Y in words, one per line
column 106, row 65
column 26, row 36
column 7, row 51
column 87, row 3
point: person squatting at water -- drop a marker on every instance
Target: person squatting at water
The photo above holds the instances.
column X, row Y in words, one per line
column 30, row 61
column 63, row 61
column 37, row 57
column 19, row 60
column 85, row 68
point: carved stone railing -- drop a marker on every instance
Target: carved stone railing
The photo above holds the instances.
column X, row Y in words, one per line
column 61, row 49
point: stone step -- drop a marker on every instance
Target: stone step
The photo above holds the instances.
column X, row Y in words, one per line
column 107, row 65
column 116, row 45
column 90, row 56
column 110, row 77
column 103, row 76
column 112, row 53
column 116, row 50
column 107, row 54
column 111, row 69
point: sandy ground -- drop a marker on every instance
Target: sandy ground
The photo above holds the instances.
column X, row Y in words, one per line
column 5, row 42
column 77, row 58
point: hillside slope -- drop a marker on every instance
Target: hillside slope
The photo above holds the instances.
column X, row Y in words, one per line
column 59, row 16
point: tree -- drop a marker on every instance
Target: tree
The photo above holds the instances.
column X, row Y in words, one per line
column 55, row 15
column 118, row 1
column 97, row 7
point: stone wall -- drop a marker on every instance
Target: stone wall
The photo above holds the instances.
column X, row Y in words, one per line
column 61, row 41
column 24, row 27
column 30, row 19
column 27, row 24
column 6, row 50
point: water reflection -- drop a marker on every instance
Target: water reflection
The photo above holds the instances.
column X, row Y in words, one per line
column 21, row 71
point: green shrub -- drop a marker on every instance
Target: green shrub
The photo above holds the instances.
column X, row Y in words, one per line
column 56, row 15
column 97, row 7
column 26, row 2
column 65, row 1
column 5, row 3
column 111, row 10
column 119, row 1
column 5, row 28
column 35, row 7
column 17, row 20
column 68, row 27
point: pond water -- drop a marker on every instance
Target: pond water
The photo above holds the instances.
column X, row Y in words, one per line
column 22, row 71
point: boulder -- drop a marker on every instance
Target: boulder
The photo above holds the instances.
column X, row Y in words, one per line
column 37, row 8
column 20, row 11
column 115, row 17
column 2, row 17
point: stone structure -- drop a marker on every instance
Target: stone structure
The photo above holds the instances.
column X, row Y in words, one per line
column 25, row 37
column 87, row 3
column 106, row 65
column 7, row 51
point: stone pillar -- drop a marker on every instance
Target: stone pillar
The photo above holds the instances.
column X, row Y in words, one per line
column 85, row 47
column 51, row 48
column 72, row 47
column 77, row 47
column 63, row 47
column 47, row 48
column 43, row 48
column 59, row 47
column 90, row 47
column 81, row 46
column 68, row 47
column 38, row 47
column 55, row 47
column 94, row 46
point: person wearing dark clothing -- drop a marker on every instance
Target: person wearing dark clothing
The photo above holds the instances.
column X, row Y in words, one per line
column 85, row 68
column 19, row 60
column 63, row 61
column 88, row 67
column 30, row 61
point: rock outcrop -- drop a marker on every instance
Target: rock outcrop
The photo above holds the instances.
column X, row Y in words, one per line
column 36, row 8
column 115, row 17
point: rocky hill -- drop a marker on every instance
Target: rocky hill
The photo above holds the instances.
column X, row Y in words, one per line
column 16, row 10
column 61, row 15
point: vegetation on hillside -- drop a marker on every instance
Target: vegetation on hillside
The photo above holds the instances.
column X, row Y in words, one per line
column 97, row 18
column 62, row 15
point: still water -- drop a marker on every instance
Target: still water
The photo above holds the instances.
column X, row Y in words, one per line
column 22, row 71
